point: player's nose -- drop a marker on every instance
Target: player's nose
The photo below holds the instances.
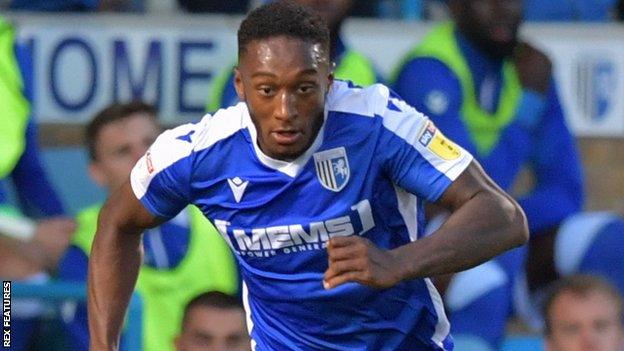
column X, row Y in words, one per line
column 286, row 106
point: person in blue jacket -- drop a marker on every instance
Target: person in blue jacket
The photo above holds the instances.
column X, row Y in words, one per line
column 494, row 95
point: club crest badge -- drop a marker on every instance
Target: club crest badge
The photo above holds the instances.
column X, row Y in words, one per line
column 332, row 168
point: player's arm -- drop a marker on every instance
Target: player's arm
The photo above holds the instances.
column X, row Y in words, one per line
column 484, row 222
column 114, row 265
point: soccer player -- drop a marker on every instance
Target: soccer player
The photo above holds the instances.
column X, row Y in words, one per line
column 183, row 257
column 494, row 95
column 318, row 187
column 213, row 321
column 584, row 312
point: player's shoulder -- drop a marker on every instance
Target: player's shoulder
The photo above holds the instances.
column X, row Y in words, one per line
column 376, row 100
column 347, row 97
column 205, row 133
column 183, row 141
column 221, row 125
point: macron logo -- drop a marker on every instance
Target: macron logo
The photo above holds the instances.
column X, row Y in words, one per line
column 238, row 187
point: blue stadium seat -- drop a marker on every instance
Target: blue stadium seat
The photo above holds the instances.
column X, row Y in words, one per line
column 522, row 343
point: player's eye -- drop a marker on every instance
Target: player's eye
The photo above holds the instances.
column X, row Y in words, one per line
column 306, row 89
column 266, row 90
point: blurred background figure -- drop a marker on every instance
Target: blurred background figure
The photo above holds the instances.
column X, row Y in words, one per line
column 213, row 321
column 493, row 94
column 176, row 254
column 349, row 64
column 29, row 250
column 584, row 313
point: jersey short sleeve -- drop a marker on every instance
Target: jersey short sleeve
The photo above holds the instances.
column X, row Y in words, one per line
column 161, row 178
column 418, row 157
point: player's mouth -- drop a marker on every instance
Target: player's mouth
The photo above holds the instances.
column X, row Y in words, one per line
column 286, row 137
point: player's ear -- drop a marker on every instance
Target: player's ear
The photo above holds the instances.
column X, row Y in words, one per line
column 330, row 79
column 330, row 74
column 238, row 84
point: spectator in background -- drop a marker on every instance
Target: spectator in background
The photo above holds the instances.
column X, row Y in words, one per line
column 495, row 96
column 213, row 321
column 182, row 257
column 349, row 64
column 570, row 10
column 29, row 251
column 584, row 313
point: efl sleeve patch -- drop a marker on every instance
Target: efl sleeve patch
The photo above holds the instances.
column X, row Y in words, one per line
column 438, row 144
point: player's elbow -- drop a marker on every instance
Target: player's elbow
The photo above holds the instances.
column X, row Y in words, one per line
column 517, row 230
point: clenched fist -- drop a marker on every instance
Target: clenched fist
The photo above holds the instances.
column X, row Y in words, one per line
column 356, row 259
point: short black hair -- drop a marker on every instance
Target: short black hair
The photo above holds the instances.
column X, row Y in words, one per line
column 110, row 114
column 580, row 285
column 282, row 17
column 214, row 299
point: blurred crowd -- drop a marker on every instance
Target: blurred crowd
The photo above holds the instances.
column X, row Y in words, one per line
column 482, row 86
column 535, row 10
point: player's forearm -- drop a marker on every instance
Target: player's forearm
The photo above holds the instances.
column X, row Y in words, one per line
column 485, row 226
column 113, row 269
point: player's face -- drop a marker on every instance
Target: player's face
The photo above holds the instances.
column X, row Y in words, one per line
column 212, row 329
column 284, row 82
column 332, row 11
column 119, row 146
column 491, row 24
column 585, row 323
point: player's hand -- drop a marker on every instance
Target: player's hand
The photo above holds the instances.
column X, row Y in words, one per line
column 534, row 68
column 356, row 259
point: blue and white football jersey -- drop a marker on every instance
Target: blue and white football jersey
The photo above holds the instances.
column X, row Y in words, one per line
column 373, row 164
